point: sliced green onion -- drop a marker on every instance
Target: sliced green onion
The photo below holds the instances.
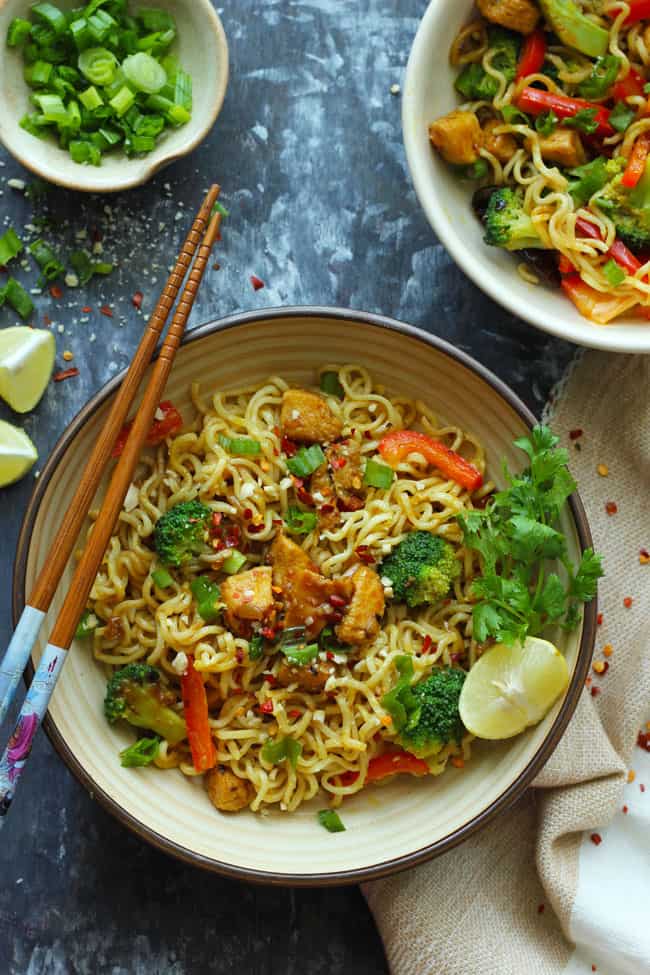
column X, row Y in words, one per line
column 74, row 118
column 85, row 268
column 621, row 116
column 52, row 108
column 233, row 563
column 306, row 461
column 302, row 655
column 141, row 754
column 378, row 475
column 278, row 749
column 183, row 90
column 207, row 595
column 100, row 25
column 51, row 16
column 123, row 101
column 82, row 151
column 16, row 296
column 614, row 274
column 19, row 31
column 35, row 124
column 87, row 625
column 154, row 19
column 10, row 246
column 90, row 98
column 162, row 578
column 331, row 820
column 241, row 446
column 546, row 123
column 80, row 33
column 330, row 384
column 603, row 75
column 220, row 208
column 38, row 74
column 329, row 642
column 145, row 73
column 256, row 647
column 299, row 522
column 149, row 125
column 157, row 42
column 46, row 259
column 98, row 65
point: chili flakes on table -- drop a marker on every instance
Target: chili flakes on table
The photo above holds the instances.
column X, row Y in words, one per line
column 611, row 507
column 596, row 839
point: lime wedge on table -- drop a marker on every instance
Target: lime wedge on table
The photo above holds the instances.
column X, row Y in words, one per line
column 17, row 454
column 26, row 363
column 510, row 688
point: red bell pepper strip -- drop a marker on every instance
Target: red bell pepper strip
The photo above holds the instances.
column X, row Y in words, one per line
column 532, row 55
column 398, row 444
column 618, row 251
column 389, row 763
column 636, row 163
column 597, row 306
column 169, row 424
column 632, row 84
column 535, row 101
column 195, row 707
column 565, row 266
column 639, row 10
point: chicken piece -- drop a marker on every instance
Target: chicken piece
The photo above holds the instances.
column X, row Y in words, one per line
column 307, row 418
column 344, row 460
column 519, row 15
column 321, row 488
column 248, row 595
column 311, row 678
column 114, row 630
column 305, row 591
column 457, row 137
column 564, row 146
column 503, row 146
column 227, row 791
column 361, row 621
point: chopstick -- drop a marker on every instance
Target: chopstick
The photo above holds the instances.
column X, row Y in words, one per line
column 38, row 603
column 13, row 761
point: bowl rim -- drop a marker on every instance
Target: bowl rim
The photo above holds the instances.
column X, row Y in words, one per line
column 382, row 869
column 583, row 333
column 140, row 170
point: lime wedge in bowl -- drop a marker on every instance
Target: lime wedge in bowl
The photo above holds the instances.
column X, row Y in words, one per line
column 17, row 453
column 26, row 363
column 511, row 688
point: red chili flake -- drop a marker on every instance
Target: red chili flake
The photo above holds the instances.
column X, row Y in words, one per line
column 47, row 320
column 644, row 553
column 326, row 509
column 337, row 600
column 137, row 300
column 426, row 644
column 270, row 679
column 277, row 522
column 540, row 908
column 596, row 839
column 575, row 434
column 105, row 310
column 611, row 507
column 268, row 632
column 86, row 309
column 595, row 691
column 216, row 267
column 627, row 602
column 216, row 519
column 625, row 810
column 248, row 513
column 338, row 463
column 599, row 619
column 347, row 778
column 256, row 282
column 267, row 707
column 288, row 447
column 302, row 493
column 593, row 968
column 58, row 377
column 367, row 434
column 642, row 787
column 329, row 655
column 239, row 654
column 643, row 741
column 295, row 713
column 364, row 555
column 96, row 235
column 256, row 529
column 336, row 616
column 56, row 291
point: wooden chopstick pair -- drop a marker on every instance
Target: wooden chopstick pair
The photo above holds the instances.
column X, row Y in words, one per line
column 17, row 656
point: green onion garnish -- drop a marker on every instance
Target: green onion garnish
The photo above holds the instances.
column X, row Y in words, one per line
column 278, row 749
column 98, row 65
column 378, row 475
column 207, row 595
column 299, row 522
column 144, row 73
column 50, row 265
column 242, row 446
column 16, row 296
column 256, row 647
column 614, row 274
column 141, row 754
column 330, row 384
column 220, row 208
column 19, row 31
column 51, row 16
column 87, row 625
column 85, row 268
column 233, row 563
column 162, row 578
column 306, row 461
column 10, row 246
column 331, row 821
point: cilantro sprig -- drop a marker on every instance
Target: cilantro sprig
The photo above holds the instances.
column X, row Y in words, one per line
column 517, row 537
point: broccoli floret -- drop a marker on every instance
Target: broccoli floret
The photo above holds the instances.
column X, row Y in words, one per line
column 574, row 28
column 629, row 209
column 136, row 694
column 474, row 82
column 593, row 176
column 421, row 569
column 425, row 715
column 180, row 533
column 507, row 224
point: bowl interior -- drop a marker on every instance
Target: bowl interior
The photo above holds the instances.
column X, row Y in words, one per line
column 201, row 48
column 429, row 93
column 173, row 811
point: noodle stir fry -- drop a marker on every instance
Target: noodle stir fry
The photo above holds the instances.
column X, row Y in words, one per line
column 555, row 126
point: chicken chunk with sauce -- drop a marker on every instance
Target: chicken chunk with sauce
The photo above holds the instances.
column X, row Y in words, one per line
column 227, row 791
column 457, row 137
column 520, row 15
column 248, row 595
column 311, row 678
column 564, row 147
column 361, row 621
column 344, row 461
column 503, row 145
column 307, row 417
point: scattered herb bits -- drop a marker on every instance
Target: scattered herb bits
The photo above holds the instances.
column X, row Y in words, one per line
column 101, row 78
column 331, row 821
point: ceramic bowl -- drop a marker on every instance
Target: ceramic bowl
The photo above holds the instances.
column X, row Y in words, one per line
column 428, row 92
column 202, row 49
column 173, row 812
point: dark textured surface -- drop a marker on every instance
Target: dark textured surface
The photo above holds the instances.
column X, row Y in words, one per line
column 308, row 150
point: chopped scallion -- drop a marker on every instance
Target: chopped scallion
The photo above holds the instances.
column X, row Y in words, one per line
column 306, row 461
column 87, row 625
column 614, row 274
column 331, row 821
column 162, row 578
column 330, row 384
column 242, row 446
column 300, row 522
column 233, row 563
column 207, row 595
column 10, row 246
column 256, row 647
column 378, row 475
column 16, row 296
column 276, row 750
column 19, row 31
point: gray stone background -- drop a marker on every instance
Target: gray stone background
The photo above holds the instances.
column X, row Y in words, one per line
column 309, row 152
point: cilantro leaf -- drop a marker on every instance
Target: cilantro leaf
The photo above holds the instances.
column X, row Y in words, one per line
column 585, row 121
column 585, row 582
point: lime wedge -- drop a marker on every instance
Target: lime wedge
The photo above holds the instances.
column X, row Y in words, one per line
column 17, row 454
column 511, row 688
column 26, row 363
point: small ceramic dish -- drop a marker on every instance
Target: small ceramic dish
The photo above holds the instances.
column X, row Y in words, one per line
column 428, row 92
column 202, row 49
column 172, row 811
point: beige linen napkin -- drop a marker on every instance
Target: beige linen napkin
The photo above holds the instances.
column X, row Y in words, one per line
column 477, row 909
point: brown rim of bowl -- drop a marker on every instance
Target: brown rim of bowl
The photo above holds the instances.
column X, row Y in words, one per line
column 503, row 802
